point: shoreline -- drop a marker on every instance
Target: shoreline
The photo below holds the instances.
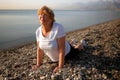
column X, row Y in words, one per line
column 99, row 61
column 33, row 42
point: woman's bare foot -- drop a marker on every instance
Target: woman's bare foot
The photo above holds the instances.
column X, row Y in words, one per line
column 73, row 42
column 82, row 45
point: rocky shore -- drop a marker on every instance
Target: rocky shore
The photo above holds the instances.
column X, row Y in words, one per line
column 99, row 61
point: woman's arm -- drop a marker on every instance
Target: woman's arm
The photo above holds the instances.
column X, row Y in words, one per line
column 61, row 47
column 40, row 54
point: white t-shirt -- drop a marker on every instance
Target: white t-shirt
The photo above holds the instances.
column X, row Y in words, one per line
column 49, row 43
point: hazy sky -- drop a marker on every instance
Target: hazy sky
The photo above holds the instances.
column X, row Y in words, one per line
column 35, row 4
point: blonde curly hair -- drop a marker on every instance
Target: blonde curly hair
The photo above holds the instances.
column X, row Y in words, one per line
column 46, row 10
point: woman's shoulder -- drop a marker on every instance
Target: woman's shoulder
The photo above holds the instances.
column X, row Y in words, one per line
column 38, row 29
column 57, row 25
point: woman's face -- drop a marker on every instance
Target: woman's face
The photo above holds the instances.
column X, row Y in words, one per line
column 44, row 18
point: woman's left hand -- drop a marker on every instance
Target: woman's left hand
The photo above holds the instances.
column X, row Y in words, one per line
column 56, row 69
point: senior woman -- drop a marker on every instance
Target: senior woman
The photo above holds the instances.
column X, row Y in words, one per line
column 51, row 40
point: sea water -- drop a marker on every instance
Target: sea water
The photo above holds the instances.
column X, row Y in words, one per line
column 18, row 26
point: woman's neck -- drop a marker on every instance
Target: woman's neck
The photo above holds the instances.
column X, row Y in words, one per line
column 47, row 27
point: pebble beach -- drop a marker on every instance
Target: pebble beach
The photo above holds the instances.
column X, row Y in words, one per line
column 99, row 61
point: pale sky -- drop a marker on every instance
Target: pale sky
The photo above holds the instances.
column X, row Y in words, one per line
column 35, row 4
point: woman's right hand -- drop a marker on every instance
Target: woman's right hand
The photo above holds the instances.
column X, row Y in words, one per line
column 35, row 67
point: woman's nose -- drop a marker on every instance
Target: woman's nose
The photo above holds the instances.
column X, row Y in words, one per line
column 43, row 16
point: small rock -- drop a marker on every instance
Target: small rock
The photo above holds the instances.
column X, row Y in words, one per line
column 1, row 78
column 56, row 76
column 42, row 77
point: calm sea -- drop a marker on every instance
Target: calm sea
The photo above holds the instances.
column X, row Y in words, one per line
column 18, row 26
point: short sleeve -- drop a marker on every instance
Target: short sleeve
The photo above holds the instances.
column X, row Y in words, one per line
column 37, row 34
column 61, row 31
